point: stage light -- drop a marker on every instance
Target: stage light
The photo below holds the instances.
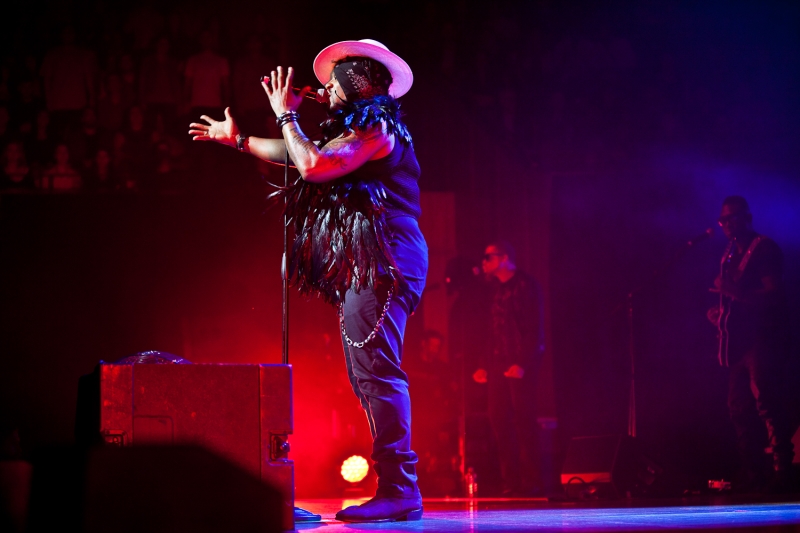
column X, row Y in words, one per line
column 354, row 469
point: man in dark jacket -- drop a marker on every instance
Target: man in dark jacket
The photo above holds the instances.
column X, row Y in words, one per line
column 511, row 368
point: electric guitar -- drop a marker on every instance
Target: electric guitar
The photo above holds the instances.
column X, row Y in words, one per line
column 727, row 272
column 724, row 306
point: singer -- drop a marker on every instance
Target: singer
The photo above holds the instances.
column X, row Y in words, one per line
column 357, row 243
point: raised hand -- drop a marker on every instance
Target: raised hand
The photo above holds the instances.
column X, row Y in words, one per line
column 279, row 89
column 223, row 132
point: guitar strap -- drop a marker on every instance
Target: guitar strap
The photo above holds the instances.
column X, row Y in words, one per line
column 746, row 258
column 727, row 253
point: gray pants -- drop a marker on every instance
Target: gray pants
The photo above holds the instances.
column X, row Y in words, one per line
column 374, row 370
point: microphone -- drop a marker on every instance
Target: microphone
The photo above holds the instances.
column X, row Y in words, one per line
column 318, row 96
column 700, row 238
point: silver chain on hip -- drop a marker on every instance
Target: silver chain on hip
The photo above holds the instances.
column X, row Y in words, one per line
column 351, row 342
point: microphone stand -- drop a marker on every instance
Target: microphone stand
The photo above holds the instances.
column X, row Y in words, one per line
column 300, row 515
column 628, row 304
column 284, row 264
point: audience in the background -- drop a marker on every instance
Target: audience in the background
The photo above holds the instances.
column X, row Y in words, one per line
column 143, row 25
column 121, row 164
column 128, row 79
column 114, row 87
column 68, row 76
column 16, row 175
column 252, row 109
column 28, row 75
column 41, row 144
column 83, row 142
column 207, row 83
column 28, row 95
column 528, row 84
column 169, row 159
column 112, row 106
column 160, row 85
column 101, row 177
column 138, row 148
column 61, row 176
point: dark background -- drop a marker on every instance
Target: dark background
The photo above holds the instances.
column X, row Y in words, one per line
column 626, row 122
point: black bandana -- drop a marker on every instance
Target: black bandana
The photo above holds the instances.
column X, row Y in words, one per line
column 361, row 77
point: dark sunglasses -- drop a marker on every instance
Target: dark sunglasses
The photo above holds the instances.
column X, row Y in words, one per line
column 727, row 219
column 488, row 257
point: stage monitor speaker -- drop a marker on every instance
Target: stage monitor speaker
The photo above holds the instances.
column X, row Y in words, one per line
column 152, row 489
column 609, row 466
column 240, row 412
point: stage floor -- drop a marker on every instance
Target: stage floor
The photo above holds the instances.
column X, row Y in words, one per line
column 695, row 514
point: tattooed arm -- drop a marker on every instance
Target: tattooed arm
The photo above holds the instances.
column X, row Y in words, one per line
column 337, row 158
column 225, row 132
column 341, row 156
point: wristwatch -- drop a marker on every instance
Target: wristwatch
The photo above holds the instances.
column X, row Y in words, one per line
column 240, row 139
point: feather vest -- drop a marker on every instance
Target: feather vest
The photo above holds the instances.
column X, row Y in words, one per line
column 341, row 237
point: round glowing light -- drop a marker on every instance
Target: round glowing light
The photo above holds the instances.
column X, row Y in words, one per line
column 355, row 468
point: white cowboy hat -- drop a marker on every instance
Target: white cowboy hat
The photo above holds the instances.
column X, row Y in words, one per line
column 402, row 78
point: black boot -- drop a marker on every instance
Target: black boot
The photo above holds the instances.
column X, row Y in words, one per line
column 383, row 509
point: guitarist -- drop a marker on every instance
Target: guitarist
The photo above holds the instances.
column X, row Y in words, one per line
column 752, row 319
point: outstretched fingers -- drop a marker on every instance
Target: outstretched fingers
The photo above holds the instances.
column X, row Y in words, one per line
column 281, row 77
column 289, row 77
column 198, row 130
column 199, row 135
column 273, row 80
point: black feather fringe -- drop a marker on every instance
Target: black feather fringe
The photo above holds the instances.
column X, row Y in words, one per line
column 363, row 114
column 341, row 237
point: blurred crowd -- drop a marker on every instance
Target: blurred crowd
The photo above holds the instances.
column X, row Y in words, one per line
column 105, row 108
column 95, row 96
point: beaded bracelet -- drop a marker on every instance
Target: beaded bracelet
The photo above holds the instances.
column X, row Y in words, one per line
column 286, row 117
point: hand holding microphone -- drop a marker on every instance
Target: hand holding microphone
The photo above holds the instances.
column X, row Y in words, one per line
column 319, row 95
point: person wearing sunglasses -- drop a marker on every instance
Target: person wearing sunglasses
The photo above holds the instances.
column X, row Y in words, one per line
column 753, row 327
column 510, row 368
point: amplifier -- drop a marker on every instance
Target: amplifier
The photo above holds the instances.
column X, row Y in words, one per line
column 240, row 412
column 607, row 466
